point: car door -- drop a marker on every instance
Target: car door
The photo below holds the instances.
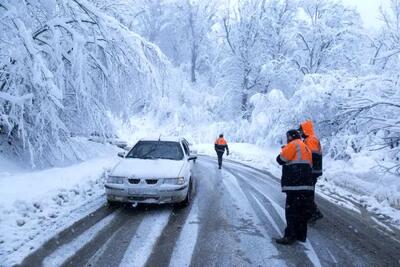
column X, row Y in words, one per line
column 188, row 164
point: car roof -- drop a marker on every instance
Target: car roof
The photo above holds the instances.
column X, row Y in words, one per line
column 163, row 138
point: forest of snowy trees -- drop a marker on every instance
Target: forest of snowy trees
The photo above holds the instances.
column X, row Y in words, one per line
column 256, row 67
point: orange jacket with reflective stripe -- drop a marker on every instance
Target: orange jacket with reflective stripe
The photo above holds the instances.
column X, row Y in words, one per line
column 296, row 159
column 296, row 152
column 314, row 145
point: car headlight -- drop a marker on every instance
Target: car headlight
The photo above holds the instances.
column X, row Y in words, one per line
column 181, row 180
column 115, row 180
column 175, row 181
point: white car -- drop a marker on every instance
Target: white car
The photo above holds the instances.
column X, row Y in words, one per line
column 153, row 171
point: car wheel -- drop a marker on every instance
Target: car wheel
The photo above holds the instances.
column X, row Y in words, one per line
column 188, row 197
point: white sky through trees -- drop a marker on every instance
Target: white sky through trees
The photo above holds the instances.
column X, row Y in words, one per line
column 369, row 11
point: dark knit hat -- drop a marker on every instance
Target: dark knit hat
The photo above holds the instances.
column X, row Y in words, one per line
column 293, row 133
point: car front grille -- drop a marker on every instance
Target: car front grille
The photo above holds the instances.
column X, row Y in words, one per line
column 134, row 180
column 137, row 181
column 138, row 198
column 151, row 181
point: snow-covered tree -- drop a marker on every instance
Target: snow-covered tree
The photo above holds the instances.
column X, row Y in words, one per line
column 258, row 44
column 328, row 37
column 239, row 66
column 64, row 65
column 387, row 43
column 278, row 33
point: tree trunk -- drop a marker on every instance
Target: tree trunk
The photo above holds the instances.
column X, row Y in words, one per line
column 194, row 47
column 245, row 96
column 193, row 64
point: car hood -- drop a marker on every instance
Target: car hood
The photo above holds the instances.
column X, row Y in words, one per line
column 148, row 168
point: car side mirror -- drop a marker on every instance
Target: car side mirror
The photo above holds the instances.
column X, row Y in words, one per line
column 122, row 145
column 127, row 148
column 121, row 154
column 192, row 158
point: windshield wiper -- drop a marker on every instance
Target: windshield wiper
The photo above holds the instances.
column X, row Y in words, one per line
column 148, row 157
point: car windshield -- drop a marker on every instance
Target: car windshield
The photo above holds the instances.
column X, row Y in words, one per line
column 156, row 150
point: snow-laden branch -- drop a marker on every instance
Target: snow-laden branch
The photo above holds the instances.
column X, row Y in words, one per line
column 64, row 68
column 20, row 100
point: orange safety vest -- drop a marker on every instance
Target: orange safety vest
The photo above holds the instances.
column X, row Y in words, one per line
column 296, row 152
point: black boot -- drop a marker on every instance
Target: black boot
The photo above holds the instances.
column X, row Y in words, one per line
column 317, row 215
column 285, row 240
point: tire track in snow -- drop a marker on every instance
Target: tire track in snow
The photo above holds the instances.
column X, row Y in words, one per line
column 266, row 213
column 184, row 247
column 64, row 252
column 141, row 245
column 107, row 250
column 95, row 258
column 250, row 186
column 66, row 230
column 293, row 256
column 246, row 212
column 309, row 250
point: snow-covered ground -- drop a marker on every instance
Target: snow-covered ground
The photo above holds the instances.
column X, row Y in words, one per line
column 35, row 205
column 359, row 181
column 354, row 181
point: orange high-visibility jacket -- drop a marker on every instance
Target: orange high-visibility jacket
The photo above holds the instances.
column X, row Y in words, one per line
column 221, row 141
column 220, row 145
column 296, row 152
column 314, row 145
column 296, row 159
column 311, row 139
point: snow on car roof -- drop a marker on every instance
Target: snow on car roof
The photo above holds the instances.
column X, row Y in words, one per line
column 163, row 138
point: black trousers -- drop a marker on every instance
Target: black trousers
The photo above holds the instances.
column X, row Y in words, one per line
column 219, row 154
column 298, row 210
column 314, row 209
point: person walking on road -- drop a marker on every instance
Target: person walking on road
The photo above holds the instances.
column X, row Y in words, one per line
column 220, row 146
column 296, row 182
column 312, row 142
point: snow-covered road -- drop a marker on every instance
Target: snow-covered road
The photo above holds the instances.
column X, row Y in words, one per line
column 234, row 215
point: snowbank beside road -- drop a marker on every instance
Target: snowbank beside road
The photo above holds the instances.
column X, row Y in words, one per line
column 36, row 204
column 359, row 181
column 355, row 180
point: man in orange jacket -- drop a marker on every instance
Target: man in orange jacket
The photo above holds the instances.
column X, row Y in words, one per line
column 296, row 182
column 220, row 146
column 311, row 140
